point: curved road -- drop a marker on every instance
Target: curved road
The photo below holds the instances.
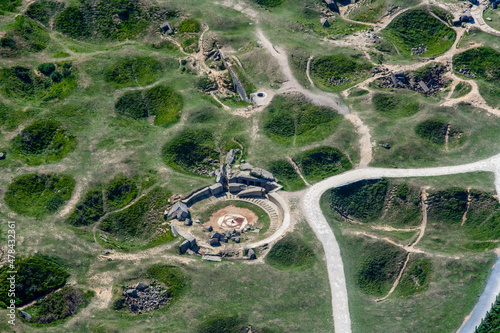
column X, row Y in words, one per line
column 315, row 218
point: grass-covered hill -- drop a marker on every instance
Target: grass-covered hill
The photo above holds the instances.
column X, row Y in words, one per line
column 23, row 35
column 417, row 27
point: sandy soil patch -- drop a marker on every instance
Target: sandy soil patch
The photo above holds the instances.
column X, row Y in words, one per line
column 250, row 216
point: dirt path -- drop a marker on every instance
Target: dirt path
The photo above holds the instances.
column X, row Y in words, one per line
column 297, row 170
column 398, row 278
column 308, row 70
column 75, row 198
column 464, row 217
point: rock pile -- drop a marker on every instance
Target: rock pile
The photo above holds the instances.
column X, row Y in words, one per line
column 216, row 238
column 465, row 71
column 143, row 298
column 430, row 83
column 338, row 81
column 421, row 49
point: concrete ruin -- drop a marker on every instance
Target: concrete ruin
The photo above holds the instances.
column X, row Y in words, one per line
column 430, row 84
column 166, row 28
column 238, row 86
column 178, row 211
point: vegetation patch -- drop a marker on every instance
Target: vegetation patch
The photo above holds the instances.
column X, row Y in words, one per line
column 23, row 35
column 416, row 277
column 461, row 89
column 481, row 62
column 9, row 6
column 269, row 3
column 59, row 305
column 23, row 83
column 190, row 25
column 358, row 92
column 137, row 226
column 89, row 210
column 222, row 324
column 120, row 192
column 189, row 150
column 291, row 253
column 294, row 120
column 448, row 206
column 286, row 175
column 161, row 101
column 171, row 276
column 36, row 276
column 378, row 271
column 417, row 28
column 38, row 194
column 43, row 141
column 394, row 106
column 435, row 131
column 338, row 72
column 43, row 10
column 322, row 162
column 133, row 72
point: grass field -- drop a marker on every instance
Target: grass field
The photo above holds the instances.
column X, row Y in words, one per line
column 461, row 89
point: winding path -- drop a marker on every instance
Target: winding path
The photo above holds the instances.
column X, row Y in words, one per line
column 315, row 218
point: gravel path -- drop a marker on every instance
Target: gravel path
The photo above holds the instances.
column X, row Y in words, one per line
column 315, row 218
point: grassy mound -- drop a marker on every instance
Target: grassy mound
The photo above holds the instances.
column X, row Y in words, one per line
column 448, row 206
column 59, row 305
column 483, row 217
column 418, row 27
column 343, row 70
column 203, row 116
column 379, row 266
column 394, row 106
column 160, row 101
column 189, row 150
column 38, row 194
column 43, row 10
column 321, row 162
column 369, row 201
column 171, row 276
column 461, row 89
column 190, row 25
column 286, row 175
column 483, row 62
column 291, row 253
column 23, row 35
column 120, row 192
column 358, row 92
column 22, row 83
column 138, row 226
column 269, row 3
column 43, row 141
column 109, row 20
column 36, row 276
column 415, row 278
column 434, row 131
column 294, row 120
column 222, row 324
column 90, row 210
column 133, row 72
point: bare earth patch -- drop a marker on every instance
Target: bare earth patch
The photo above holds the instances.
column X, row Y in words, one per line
column 250, row 216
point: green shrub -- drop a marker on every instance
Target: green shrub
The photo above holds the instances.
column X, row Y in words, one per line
column 483, row 217
column 205, row 83
column 24, row 34
column 491, row 322
column 358, row 92
column 286, row 175
column 322, row 162
column 36, row 276
column 434, row 131
column 394, row 106
column 415, row 278
column 290, row 120
column 71, row 22
column 47, row 68
column 269, row 3
column 89, row 210
column 120, row 192
column 9, row 5
column 190, row 25
column 56, row 77
column 189, row 149
column 43, row 10
column 291, row 253
column 132, row 105
column 447, row 206
column 131, row 72
column 338, row 66
column 59, row 305
column 417, row 27
column 222, row 324
column 484, row 62
column 30, row 194
column 461, row 89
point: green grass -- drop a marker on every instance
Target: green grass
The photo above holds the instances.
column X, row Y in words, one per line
column 321, row 162
column 373, row 10
column 290, row 253
column 416, row 277
column 172, row 277
column 42, row 11
column 269, row 3
column 293, row 120
column 394, row 106
column 434, row 131
column 43, row 141
column 190, row 25
column 120, row 192
column 8, row 6
column 416, row 27
column 352, row 68
column 286, row 175
column 133, row 72
column 23, row 36
column 38, row 194
column 138, row 226
column 36, row 276
column 357, row 92
column 89, row 210
column 59, row 305
column 461, row 89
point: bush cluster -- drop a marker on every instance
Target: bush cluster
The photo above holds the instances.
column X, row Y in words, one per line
column 190, row 25
column 90, row 210
column 394, row 106
column 43, row 10
column 322, row 162
column 130, row 72
column 120, row 192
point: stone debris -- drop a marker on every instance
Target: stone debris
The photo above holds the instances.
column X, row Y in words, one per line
column 178, row 211
column 431, row 83
column 246, row 167
column 211, row 258
column 143, row 298
column 419, row 50
column 466, row 72
column 338, row 81
column 2, row 155
column 263, row 174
